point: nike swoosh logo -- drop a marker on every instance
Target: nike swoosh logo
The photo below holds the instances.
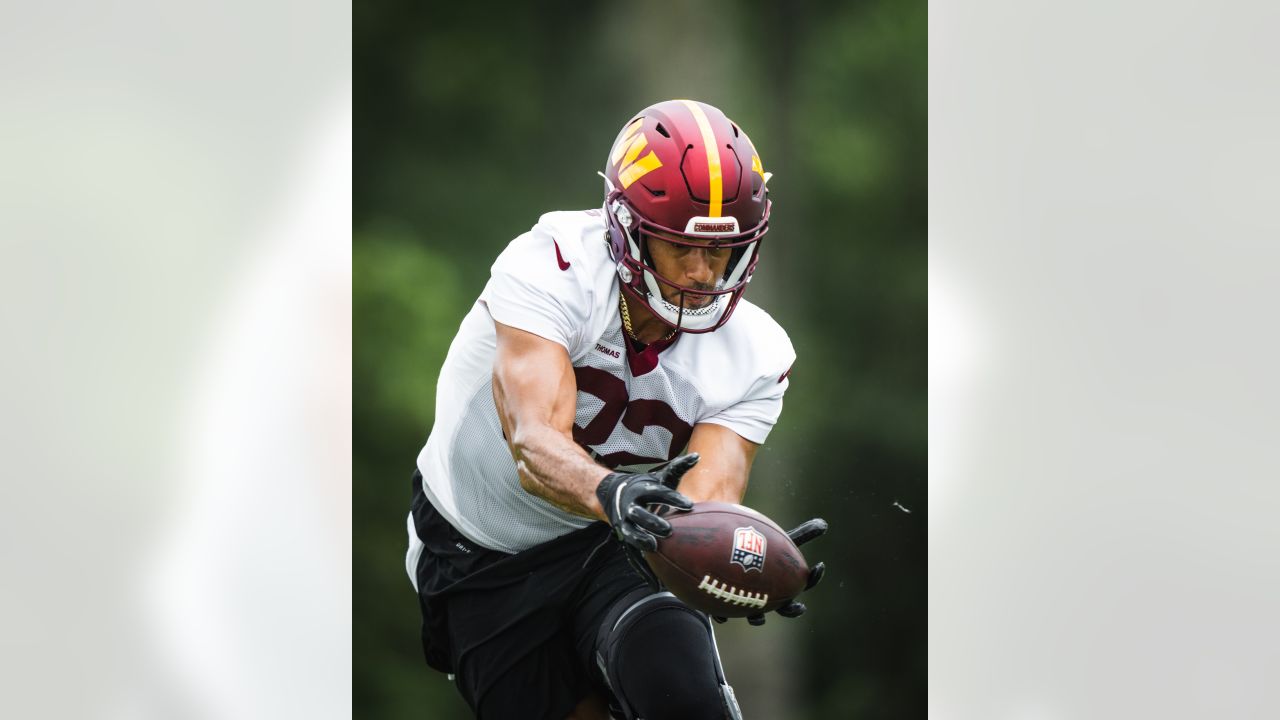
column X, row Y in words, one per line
column 560, row 258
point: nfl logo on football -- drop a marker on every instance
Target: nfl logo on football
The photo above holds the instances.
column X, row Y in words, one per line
column 748, row 549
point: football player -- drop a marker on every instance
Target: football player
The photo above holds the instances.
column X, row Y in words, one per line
column 605, row 343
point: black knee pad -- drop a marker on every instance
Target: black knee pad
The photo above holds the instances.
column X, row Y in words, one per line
column 660, row 660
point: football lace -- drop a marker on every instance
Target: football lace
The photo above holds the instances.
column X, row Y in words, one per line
column 731, row 594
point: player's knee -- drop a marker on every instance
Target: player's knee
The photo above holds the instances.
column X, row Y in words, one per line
column 680, row 691
column 667, row 665
column 691, row 703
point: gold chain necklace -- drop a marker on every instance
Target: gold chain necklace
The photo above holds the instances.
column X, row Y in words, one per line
column 626, row 320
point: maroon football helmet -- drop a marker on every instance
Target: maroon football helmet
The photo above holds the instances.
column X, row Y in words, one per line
column 683, row 169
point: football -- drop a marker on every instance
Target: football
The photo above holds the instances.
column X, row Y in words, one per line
column 728, row 560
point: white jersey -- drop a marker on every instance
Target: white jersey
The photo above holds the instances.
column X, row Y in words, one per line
column 558, row 281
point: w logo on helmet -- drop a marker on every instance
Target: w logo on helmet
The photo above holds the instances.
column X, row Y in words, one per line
column 748, row 549
column 627, row 149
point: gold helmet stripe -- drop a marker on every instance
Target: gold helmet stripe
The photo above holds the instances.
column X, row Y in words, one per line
column 713, row 157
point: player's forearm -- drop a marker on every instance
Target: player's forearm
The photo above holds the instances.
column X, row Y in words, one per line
column 722, row 474
column 729, row 492
column 558, row 470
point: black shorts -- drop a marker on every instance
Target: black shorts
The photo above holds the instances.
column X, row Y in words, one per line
column 518, row 631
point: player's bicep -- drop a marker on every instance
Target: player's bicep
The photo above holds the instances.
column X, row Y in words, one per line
column 533, row 383
column 721, row 474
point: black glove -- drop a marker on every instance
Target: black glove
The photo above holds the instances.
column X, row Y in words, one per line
column 802, row 534
column 624, row 497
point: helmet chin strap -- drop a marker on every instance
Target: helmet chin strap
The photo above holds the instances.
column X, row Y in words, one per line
column 678, row 315
column 709, row 309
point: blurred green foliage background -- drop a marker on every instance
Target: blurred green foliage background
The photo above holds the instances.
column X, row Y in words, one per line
column 473, row 119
